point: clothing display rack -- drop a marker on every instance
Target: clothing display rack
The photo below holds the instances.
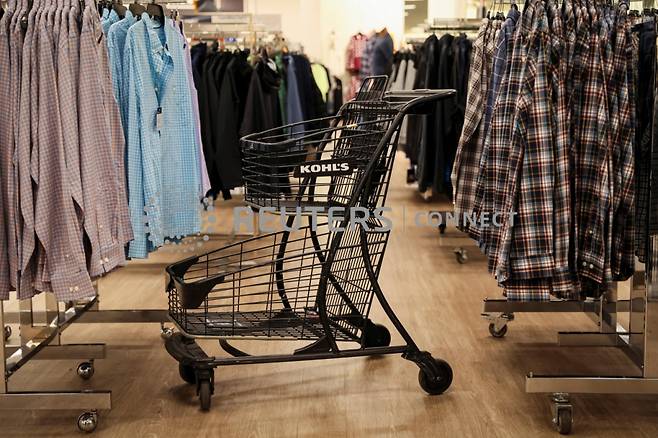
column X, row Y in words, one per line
column 39, row 338
column 638, row 338
column 468, row 26
column 41, row 325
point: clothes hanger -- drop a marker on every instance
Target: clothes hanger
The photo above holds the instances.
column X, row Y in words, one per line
column 119, row 8
column 24, row 19
column 156, row 11
column 136, row 9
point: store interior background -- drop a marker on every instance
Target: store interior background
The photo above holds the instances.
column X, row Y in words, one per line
column 438, row 299
column 324, row 27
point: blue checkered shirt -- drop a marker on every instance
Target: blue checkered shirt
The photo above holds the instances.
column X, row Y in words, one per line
column 116, row 42
column 163, row 172
column 106, row 22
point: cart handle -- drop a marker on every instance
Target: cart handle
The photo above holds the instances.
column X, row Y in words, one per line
column 417, row 101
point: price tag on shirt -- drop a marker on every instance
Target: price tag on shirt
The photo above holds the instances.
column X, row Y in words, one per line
column 159, row 119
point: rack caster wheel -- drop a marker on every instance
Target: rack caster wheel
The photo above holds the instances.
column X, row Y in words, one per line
column 88, row 422
column 375, row 335
column 86, row 370
column 461, row 255
column 166, row 332
column 7, row 332
column 442, row 228
column 562, row 413
column 435, row 375
column 205, row 394
column 187, row 373
column 497, row 333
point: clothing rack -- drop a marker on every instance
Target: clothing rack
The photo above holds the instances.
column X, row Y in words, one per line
column 638, row 339
column 41, row 322
column 467, row 24
column 39, row 338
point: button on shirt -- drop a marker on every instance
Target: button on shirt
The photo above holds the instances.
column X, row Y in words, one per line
column 163, row 175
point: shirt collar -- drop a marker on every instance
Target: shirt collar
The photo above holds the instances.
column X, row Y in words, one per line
column 113, row 17
column 129, row 18
column 152, row 27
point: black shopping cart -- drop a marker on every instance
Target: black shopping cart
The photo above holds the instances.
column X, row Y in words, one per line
column 314, row 281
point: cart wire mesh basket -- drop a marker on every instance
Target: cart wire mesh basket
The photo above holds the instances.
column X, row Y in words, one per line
column 313, row 281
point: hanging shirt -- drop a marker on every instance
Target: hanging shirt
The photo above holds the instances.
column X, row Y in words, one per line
column 7, row 235
column 116, row 41
column 163, row 175
column 321, row 80
column 203, row 171
column 293, row 103
column 112, row 18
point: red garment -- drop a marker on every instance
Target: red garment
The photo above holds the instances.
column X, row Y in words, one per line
column 354, row 55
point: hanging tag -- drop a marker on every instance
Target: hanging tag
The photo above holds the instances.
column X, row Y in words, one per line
column 159, row 122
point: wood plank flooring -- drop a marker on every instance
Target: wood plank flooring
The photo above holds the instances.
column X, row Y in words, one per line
column 437, row 299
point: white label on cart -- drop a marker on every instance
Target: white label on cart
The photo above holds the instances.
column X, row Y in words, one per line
column 324, row 168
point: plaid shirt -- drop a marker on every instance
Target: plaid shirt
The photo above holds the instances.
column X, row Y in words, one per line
column 6, row 154
column 525, row 251
column 558, row 152
column 496, row 165
column 466, row 166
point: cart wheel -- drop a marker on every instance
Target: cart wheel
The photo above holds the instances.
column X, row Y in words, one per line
column 461, row 255
column 376, row 335
column 442, row 228
column 205, row 393
column 497, row 333
column 435, row 377
column 564, row 421
column 7, row 332
column 187, row 373
column 86, row 370
column 88, row 421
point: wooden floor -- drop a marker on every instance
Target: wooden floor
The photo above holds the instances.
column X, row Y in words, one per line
column 437, row 299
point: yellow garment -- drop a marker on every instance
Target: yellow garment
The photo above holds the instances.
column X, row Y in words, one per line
column 321, row 80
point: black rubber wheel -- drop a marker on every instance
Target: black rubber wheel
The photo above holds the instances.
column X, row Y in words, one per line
column 7, row 332
column 376, row 335
column 439, row 380
column 461, row 256
column 442, row 228
column 564, row 421
column 187, row 373
column 205, row 393
column 497, row 333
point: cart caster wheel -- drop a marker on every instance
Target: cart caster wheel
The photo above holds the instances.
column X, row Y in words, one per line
column 86, row 370
column 205, row 394
column 435, row 376
column 376, row 335
column 88, row 422
column 564, row 421
column 442, row 229
column 461, row 255
column 497, row 333
column 7, row 332
column 187, row 373
column 166, row 332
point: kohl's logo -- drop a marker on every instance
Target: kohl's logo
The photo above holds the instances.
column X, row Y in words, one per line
column 323, row 168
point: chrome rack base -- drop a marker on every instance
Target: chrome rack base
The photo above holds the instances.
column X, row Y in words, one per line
column 590, row 385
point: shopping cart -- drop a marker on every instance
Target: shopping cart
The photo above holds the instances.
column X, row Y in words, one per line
column 315, row 282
